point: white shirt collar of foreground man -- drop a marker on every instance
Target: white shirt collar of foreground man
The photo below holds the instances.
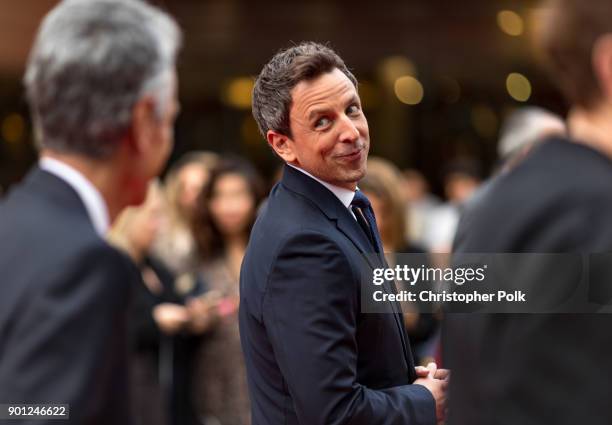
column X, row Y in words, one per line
column 87, row 192
column 344, row 195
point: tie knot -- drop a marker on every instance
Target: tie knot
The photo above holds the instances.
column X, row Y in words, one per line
column 360, row 200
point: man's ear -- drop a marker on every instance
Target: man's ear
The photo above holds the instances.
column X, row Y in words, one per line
column 144, row 125
column 282, row 145
column 602, row 65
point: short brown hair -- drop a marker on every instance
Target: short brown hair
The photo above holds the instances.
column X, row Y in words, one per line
column 570, row 30
column 272, row 91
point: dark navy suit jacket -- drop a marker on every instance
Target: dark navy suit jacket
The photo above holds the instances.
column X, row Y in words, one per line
column 312, row 357
column 63, row 301
column 538, row 368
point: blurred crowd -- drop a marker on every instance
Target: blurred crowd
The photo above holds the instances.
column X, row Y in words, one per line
column 188, row 240
column 189, row 237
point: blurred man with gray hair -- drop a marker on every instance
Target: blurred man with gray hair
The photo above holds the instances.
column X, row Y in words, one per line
column 523, row 129
column 101, row 84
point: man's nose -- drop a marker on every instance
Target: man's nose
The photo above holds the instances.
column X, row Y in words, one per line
column 348, row 130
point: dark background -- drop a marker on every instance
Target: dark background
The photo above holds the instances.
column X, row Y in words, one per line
column 457, row 50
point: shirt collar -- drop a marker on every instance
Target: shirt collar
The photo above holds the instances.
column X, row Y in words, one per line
column 344, row 195
column 87, row 192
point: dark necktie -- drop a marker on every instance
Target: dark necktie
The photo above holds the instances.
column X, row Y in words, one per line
column 362, row 203
column 363, row 209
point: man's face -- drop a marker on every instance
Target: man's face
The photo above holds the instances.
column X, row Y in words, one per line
column 330, row 132
column 154, row 138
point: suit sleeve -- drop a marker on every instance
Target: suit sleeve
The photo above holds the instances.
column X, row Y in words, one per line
column 73, row 343
column 311, row 311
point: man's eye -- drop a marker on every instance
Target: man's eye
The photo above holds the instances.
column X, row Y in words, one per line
column 322, row 122
column 353, row 110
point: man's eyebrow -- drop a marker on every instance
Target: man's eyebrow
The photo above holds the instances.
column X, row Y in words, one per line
column 354, row 98
column 317, row 111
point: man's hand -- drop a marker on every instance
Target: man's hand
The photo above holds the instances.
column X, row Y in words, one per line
column 436, row 381
column 423, row 372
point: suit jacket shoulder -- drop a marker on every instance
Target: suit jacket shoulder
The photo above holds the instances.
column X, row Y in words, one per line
column 556, row 200
column 63, row 301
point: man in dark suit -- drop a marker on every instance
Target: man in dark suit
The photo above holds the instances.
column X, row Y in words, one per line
column 101, row 86
column 312, row 356
column 547, row 368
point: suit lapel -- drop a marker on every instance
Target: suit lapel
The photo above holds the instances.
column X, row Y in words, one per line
column 350, row 228
column 331, row 206
column 353, row 231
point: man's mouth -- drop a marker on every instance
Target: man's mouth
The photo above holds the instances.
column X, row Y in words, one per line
column 352, row 155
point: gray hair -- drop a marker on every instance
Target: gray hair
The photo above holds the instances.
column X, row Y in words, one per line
column 525, row 127
column 91, row 62
column 272, row 91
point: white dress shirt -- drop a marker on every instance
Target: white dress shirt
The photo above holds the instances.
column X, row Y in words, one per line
column 87, row 192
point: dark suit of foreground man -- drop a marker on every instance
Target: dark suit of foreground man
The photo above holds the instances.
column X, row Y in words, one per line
column 104, row 117
column 312, row 357
column 545, row 368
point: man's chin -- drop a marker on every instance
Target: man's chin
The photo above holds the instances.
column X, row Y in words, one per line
column 359, row 174
column 351, row 180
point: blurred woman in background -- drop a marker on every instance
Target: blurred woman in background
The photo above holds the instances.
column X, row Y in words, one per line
column 225, row 214
column 382, row 186
column 163, row 327
column 174, row 245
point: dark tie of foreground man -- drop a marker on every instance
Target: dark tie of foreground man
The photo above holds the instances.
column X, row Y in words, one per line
column 362, row 207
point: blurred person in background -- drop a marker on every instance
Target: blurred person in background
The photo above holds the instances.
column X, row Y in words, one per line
column 225, row 214
column 382, row 187
column 419, row 203
column 174, row 245
column 163, row 330
column 548, row 368
column 383, row 183
column 523, row 129
column 103, row 118
column 461, row 178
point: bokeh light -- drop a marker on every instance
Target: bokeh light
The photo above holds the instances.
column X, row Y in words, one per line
column 13, row 128
column 395, row 67
column 510, row 22
column 237, row 93
column 518, row 86
column 408, row 90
